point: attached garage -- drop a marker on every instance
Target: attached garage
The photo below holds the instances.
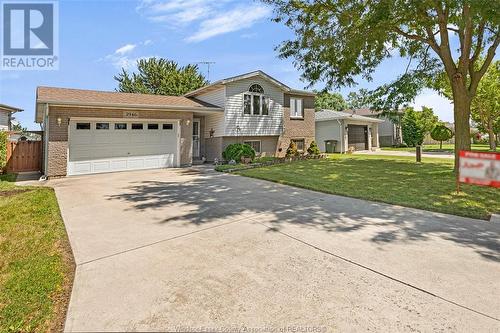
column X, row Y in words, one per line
column 107, row 145
column 90, row 131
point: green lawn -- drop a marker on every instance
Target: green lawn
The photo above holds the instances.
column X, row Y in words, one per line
column 391, row 179
column 446, row 147
column 36, row 264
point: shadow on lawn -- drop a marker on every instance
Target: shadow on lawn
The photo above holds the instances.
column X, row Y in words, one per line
column 214, row 196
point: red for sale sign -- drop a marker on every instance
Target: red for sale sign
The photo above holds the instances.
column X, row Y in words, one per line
column 480, row 168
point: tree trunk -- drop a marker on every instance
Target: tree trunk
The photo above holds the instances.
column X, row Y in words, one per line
column 441, row 145
column 492, row 138
column 491, row 135
column 461, row 110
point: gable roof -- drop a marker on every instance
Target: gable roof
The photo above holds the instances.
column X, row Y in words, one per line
column 95, row 98
column 8, row 108
column 325, row 115
column 220, row 83
column 367, row 112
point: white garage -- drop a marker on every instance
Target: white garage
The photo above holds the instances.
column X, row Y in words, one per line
column 107, row 145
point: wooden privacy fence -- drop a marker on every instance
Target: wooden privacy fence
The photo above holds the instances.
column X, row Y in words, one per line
column 24, row 156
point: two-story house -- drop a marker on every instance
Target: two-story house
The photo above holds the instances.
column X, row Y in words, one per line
column 87, row 131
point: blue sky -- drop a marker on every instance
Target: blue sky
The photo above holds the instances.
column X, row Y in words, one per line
column 97, row 38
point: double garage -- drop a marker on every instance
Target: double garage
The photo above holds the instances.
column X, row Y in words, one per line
column 107, row 145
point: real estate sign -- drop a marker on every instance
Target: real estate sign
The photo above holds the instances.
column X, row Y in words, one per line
column 480, row 168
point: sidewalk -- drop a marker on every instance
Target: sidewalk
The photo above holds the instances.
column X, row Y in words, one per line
column 405, row 153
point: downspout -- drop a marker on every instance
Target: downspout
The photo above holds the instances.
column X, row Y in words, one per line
column 45, row 142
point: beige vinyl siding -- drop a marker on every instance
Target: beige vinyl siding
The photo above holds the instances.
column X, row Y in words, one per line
column 4, row 120
column 214, row 121
column 215, row 97
column 328, row 130
column 252, row 125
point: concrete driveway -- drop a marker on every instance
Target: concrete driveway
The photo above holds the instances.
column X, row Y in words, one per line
column 193, row 250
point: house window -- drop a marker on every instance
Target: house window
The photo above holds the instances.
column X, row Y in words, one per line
column 137, row 126
column 254, row 102
column 247, row 104
column 168, row 126
column 82, row 126
column 102, row 126
column 153, row 126
column 299, row 143
column 296, row 108
column 254, row 144
column 120, row 126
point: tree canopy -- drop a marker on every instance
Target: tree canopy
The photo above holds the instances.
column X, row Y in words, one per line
column 441, row 133
column 339, row 41
column 160, row 77
column 416, row 124
column 329, row 101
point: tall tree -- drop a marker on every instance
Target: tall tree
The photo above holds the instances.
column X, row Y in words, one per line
column 338, row 40
column 329, row 101
column 160, row 77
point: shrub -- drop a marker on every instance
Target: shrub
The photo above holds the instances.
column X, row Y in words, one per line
column 313, row 149
column 3, row 149
column 292, row 150
column 441, row 133
column 236, row 151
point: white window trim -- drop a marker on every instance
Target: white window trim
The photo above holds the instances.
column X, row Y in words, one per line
column 260, row 145
column 262, row 97
column 295, row 99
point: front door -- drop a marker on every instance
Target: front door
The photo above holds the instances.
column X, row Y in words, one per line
column 196, row 138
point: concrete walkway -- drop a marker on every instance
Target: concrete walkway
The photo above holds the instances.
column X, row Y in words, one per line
column 192, row 250
column 405, row 153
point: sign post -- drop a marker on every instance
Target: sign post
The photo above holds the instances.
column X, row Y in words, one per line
column 479, row 168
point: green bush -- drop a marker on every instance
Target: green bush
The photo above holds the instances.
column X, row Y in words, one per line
column 236, row 151
column 313, row 149
column 3, row 150
column 292, row 150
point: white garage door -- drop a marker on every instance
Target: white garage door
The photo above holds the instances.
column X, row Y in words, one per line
column 105, row 146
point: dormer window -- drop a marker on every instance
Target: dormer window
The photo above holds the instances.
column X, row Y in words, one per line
column 255, row 102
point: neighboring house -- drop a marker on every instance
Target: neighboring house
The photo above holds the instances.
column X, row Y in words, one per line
column 339, row 132
column 389, row 132
column 94, row 131
column 6, row 116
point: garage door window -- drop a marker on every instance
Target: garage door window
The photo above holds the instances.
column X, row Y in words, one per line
column 153, row 126
column 168, row 126
column 120, row 126
column 82, row 126
column 102, row 126
column 137, row 126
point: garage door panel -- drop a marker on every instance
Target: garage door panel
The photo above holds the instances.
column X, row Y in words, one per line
column 107, row 150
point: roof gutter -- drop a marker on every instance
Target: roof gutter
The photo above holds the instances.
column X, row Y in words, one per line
column 129, row 106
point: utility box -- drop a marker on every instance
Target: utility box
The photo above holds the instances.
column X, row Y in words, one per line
column 330, row 146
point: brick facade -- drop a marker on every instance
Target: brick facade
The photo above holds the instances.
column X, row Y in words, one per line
column 302, row 128
column 58, row 135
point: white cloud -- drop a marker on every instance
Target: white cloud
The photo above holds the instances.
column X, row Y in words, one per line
column 442, row 107
column 208, row 18
column 124, row 57
column 236, row 19
column 126, row 49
